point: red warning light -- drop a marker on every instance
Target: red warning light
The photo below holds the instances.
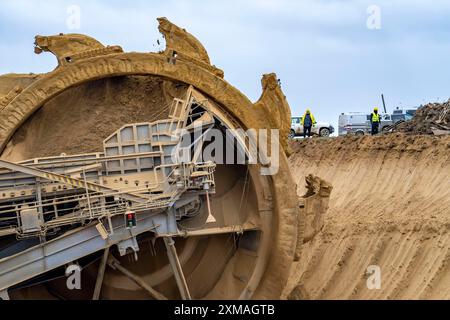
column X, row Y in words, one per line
column 131, row 219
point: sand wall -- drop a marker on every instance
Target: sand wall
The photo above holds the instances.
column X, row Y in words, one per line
column 390, row 207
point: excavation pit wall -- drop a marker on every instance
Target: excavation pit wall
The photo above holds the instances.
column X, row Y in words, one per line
column 389, row 208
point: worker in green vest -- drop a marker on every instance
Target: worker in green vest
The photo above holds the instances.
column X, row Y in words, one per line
column 375, row 121
column 308, row 122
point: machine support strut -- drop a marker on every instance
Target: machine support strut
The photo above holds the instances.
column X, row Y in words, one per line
column 100, row 275
column 68, row 180
column 113, row 263
column 176, row 267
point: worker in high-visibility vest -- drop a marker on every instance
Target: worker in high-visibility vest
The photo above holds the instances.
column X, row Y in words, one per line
column 375, row 121
column 308, row 122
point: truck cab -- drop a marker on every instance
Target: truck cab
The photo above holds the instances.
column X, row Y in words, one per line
column 358, row 123
column 403, row 115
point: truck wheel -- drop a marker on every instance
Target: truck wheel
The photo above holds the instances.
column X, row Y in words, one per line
column 291, row 134
column 324, row 132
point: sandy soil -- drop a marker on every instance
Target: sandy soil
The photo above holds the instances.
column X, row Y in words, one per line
column 90, row 113
column 390, row 207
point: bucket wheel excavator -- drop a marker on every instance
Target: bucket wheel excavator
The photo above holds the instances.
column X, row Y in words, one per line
column 146, row 216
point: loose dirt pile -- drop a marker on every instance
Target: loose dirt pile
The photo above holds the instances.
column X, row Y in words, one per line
column 390, row 207
column 433, row 116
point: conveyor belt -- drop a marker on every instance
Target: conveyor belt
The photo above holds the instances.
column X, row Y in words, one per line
column 71, row 181
column 66, row 249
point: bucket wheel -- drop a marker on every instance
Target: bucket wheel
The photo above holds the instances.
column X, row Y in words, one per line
column 236, row 243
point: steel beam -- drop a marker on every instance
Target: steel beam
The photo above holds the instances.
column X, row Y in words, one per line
column 113, row 263
column 100, row 275
column 68, row 180
column 69, row 247
column 239, row 229
column 7, row 231
column 177, row 269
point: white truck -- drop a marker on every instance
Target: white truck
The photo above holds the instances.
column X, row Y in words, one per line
column 358, row 123
column 322, row 129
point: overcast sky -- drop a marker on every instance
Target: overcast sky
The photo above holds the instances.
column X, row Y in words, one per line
column 323, row 51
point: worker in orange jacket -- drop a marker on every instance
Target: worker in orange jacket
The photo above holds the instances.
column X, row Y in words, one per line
column 307, row 122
